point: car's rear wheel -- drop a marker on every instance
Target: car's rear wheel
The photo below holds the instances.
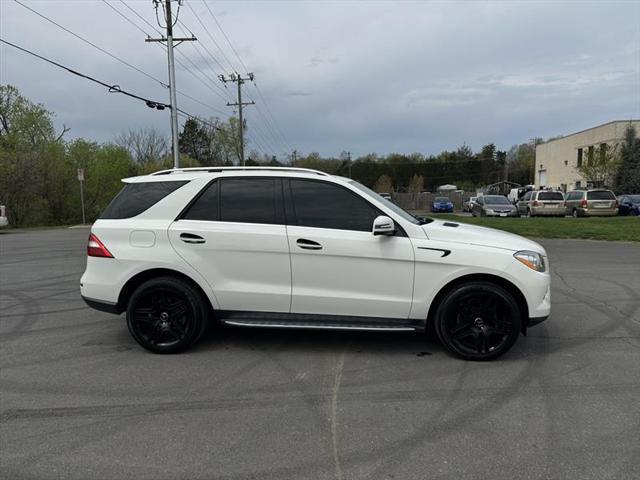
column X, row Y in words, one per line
column 166, row 315
column 574, row 213
column 478, row 321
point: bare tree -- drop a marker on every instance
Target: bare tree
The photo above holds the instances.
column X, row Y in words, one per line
column 146, row 145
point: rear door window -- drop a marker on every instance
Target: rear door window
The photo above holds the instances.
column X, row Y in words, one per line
column 550, row 196
column 251, row 200
column 206, row 205
column 601, row 195
column 135, row 198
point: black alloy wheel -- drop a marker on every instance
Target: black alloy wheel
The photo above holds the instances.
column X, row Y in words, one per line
column 478, row 321
column 166, row 315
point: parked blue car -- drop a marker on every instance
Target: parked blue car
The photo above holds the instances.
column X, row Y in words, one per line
column 442, row 204
column 629, row 205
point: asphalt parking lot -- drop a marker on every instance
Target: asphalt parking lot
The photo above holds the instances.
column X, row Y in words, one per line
column 79, row 399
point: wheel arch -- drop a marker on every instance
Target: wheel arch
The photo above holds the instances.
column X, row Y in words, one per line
column 138, row 279
column 506, row 284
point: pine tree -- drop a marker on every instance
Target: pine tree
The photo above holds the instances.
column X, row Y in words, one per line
column 628, row 178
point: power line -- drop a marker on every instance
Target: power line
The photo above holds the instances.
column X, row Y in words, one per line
column 93, row 45
column 135, row 12
column 264, row 101
column 112, row 88
column 211, row 37
column 165, row 49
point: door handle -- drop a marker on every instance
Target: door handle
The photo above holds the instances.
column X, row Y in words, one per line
column 308, row 244
column 191, row 238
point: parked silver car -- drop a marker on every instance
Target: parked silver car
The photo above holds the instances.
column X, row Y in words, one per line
column 494, row 206
column 587, row 203
column 468, row 205
column 542, row 203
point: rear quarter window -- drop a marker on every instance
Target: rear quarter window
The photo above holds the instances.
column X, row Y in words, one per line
column 135, row 198
column 601, row 195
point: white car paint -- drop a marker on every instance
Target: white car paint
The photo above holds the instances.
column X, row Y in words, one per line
column 261, row 268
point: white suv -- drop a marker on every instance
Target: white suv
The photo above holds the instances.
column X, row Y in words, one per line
column 296, row 248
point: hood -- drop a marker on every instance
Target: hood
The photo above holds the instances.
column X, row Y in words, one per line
column 445, row 231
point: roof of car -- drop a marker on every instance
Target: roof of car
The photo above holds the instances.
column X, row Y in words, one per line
column 177, row 174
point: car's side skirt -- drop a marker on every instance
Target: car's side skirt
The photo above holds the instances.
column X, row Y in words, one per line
column 317, row 321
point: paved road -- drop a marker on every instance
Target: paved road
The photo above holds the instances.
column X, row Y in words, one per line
column 80, row 400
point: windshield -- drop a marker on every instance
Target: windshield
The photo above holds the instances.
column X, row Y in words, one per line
column 635, row 198
column 496, row 200
column 390, row 205
column 441, row 200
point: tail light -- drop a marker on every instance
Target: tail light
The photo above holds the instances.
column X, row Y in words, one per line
column 95, row 248
column 617, row 204
column 536, row 203
column 583, row 203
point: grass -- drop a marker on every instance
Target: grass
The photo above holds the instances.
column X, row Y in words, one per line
column 625, row 229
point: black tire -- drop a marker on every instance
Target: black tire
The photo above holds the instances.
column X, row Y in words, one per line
column 166, row 315
column 529, row 214
column 574, row 213
column 478, row 321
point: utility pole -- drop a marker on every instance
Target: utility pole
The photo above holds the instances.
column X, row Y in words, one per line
column 237, row 78
column 169, row 21
column 349, row 160
column 294, row 158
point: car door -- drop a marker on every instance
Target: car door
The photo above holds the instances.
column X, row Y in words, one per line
column 233, row 233
column 477, row 207
column 522, row 204
column 338, row 267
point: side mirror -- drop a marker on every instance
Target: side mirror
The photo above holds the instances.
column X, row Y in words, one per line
column 383, row 225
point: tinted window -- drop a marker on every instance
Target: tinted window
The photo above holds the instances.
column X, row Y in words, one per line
column 135, row 198
column 250, row 200
column 550, row 196
column 206, row 205
column 527, row 196
column 324, row 205
column 496, row 200
column 480, row 201
column 635, row 198
column 441, row 200
column 601, row 195
column 574, row 195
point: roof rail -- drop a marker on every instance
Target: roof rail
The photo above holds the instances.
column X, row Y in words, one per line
column 228, row 169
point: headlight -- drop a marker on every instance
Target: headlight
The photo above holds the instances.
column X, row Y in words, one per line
column 533, row 260
column 490, row 211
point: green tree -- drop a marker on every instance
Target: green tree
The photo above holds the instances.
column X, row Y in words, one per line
column 628, row 175
column 416, row 184
column 601, row 165
column 383, row 184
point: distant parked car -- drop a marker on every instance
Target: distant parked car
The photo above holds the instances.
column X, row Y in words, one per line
column 386, row 196
column 494, row 206
column 516, row 194
column 629, row 205
column 542, row 203
column 3, row 217
column 442, row 204
column 588, row 203
column 468, row 205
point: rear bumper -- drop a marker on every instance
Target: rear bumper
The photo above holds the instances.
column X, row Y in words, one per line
column 597, row 212
column 101, row 305
column 549, row 212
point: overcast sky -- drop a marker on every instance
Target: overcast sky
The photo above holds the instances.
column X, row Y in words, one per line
column 360, row 76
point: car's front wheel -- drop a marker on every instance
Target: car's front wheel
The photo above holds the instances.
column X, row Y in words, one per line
column 478, row 321
column 166, row 315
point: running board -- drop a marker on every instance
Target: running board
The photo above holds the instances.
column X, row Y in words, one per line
column 317, row 321
column 316, row 326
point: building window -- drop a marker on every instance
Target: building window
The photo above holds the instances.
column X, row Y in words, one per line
column 590, row 154
column 603, row 151
column 579, row 157
column 578, row 184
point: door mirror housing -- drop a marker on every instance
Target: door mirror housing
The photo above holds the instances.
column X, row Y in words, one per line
column 383, row 225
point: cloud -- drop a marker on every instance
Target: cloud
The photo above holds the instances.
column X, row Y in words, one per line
column 357, row 76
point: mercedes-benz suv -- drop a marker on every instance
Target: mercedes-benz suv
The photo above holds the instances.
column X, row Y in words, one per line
column 293, row 248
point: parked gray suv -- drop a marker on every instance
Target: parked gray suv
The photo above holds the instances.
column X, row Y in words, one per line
column 542, row 203
column 588, row 203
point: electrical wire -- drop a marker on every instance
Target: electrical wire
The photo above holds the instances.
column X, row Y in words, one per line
column 112, row 88
column 93, row 45
column 211, row 37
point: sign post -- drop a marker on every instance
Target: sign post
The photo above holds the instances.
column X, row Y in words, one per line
column 81, row 180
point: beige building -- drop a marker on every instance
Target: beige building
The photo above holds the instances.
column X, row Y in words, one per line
column 556, row 160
